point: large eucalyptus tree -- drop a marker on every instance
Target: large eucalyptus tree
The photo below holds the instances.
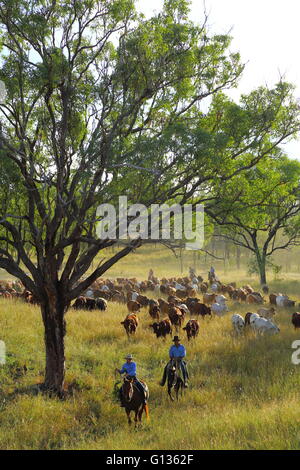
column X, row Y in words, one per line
column 100, row 103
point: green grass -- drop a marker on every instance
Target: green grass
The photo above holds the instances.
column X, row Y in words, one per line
column 244, row 392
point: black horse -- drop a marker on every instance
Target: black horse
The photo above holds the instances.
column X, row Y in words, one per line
column 174, row 380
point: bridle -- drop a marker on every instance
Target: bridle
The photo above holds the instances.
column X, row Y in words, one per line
column 128, row 383
column 173, row 369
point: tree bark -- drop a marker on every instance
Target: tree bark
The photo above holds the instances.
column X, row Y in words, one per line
column 261, row 261
column 238, row 257
column 55, row 330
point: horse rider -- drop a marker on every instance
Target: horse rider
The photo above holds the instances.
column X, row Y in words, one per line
column 192, row 273
column 151, row 275
column 176, row 353
column 212, row 274
column 129, row 369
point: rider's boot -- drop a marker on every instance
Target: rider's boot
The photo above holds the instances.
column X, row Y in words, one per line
column 185, row 377
column 143, row 391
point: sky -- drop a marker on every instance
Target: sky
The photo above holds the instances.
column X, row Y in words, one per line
column 265, row 32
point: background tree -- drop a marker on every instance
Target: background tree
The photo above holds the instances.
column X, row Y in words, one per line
column 259, row 210
column 102, row 103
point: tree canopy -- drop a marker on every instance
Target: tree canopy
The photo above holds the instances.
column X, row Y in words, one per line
column 259, row 209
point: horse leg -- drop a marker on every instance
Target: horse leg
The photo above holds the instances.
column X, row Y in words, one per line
column 128, row 416
column 170, row 393
column 136, row 417
column 140, row 413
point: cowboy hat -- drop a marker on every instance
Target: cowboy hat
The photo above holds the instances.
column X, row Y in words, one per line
column 129, row 356
column 176, row 338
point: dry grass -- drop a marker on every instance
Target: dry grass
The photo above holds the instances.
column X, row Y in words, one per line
column 244, row 392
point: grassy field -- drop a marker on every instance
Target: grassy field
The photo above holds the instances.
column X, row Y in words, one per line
column 244, row 392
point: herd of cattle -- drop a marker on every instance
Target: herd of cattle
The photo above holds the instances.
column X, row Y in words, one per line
column 181, row 298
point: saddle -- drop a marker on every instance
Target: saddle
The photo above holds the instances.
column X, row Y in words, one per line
column 145, row 386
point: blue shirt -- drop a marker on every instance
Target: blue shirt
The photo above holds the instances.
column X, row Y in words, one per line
column 177, row 351
column 129, row 368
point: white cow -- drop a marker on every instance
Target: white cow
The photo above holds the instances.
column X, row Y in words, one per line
column 179, row 286
column 238, row 323
column 89, row 293
column 157, row 288
column 104, row 288
column 134, row 295
column 262, row 325
column 195, row 287
column 219, row 309
column 252, row 318
column 214, row 287
column 280, row 300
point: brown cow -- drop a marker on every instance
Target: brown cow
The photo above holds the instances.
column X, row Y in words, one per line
column 133, row 306
column 87, row 303
column 181, row 294
column 192, row 329
column 272, row 298
column 242, row 295
column 230, row 290
column 130, row 324
column 209, row 298
column 191, row 292
column 174, row 300
column 188, row 302
column 196, row 308
column 164, row 306
column 143, row 300
column 296, row 320
column 266, row 312
column 204, row 287
column 176, row 316
column 254, row 298
column 163, row 328
column 154, row 312
column 248, row 289
column 118, row 297
column 29, row 297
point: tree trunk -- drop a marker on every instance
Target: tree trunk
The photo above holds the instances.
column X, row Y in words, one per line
column 55, row 330
column 238, row 257
column 261, row 261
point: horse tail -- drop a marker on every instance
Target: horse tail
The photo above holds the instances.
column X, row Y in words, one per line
column 146, row 409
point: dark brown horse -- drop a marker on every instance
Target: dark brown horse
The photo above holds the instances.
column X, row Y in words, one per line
column 174, row 380
column 134, row 401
